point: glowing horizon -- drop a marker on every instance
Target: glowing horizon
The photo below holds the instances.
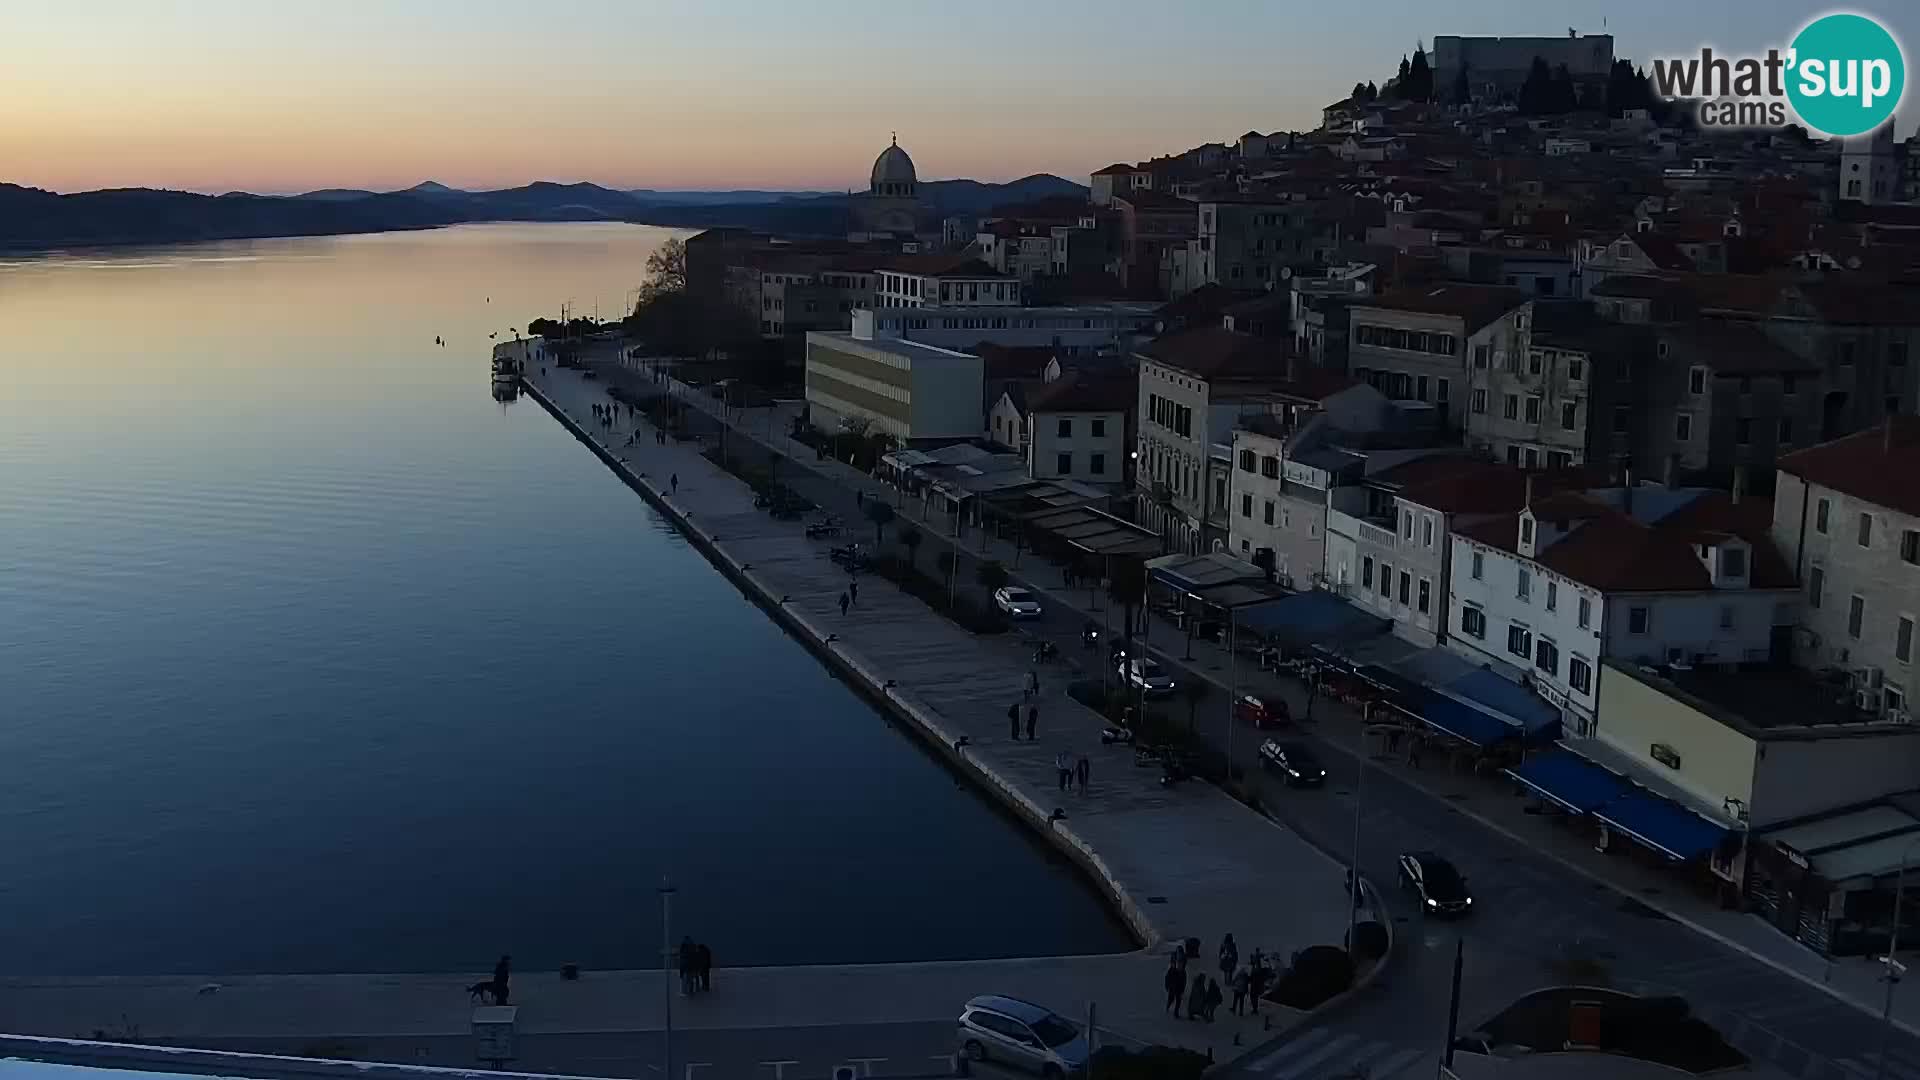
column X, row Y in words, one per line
column 224, row 95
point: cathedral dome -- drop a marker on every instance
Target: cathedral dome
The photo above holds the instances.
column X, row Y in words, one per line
column 893, row 166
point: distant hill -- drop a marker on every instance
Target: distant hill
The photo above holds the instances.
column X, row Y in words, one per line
column 32, row 219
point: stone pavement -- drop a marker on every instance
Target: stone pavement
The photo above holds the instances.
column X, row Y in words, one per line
column 1856, row 982
column 1181, row 861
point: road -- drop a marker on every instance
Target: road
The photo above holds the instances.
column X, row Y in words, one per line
column 792, row 1053
column 1532, row 914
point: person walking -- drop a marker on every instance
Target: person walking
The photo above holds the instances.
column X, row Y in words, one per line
column 1229, row 957
column 687, row 962
column 674, row 483
column 502, row 971
column 1062, row 769
column 844, row 601
column 1257, row 982
column 853, row 591
column 1215, row 996
column 703, row 965
column 1033, row 720
column 1175, row 983
column 1239, row 984
column 1032, row 688
column 1082, row 769
column 1013, row 721
column 1197, row 997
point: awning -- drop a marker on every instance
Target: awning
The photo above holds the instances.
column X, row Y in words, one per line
column 1664, row 826
column 1570, row 780
column 1461, row 721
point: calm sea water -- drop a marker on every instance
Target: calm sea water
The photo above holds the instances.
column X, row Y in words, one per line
column 314, row 657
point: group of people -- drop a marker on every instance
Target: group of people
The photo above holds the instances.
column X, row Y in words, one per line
column 606, row 415
column 1070, row 770
column 1203, row 994
column 696, row 967
column 850, row 596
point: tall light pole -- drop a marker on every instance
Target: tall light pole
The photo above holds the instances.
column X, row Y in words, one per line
column 1894, row 968
column 666, row 968
column 1353, row 865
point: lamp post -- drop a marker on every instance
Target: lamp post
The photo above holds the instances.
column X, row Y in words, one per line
column 666, row 966
column 1353, row 864
column 1894, row 967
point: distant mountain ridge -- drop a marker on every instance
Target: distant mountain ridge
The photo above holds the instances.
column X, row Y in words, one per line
column 33, row 219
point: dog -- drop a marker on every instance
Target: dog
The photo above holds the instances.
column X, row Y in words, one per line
column 481, row 992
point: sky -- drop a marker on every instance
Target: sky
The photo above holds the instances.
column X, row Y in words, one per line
column 291, row 95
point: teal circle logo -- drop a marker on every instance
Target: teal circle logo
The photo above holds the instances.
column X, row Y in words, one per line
column 1847, row 75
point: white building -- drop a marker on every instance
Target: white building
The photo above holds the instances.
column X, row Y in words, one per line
column 1079, row 330
column 920, row 281
column 1870, row 167
column 1071, row 427
column 900, row 388
column 1846, row 517
column 1648, row 575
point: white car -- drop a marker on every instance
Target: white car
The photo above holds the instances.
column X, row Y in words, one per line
column 1020, row 1033
column 1148, row 676
column 1017, row 602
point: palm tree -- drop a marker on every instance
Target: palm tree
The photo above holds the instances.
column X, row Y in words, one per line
column 910, row 539
column 947, row 563
column 1128, row 588
column 991, row 575
column 881, row 514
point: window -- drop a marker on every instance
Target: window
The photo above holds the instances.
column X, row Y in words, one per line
column 1856, row 615
column 1576, row 369
column 1536, row 361
column 1903, row 640
column 1569, row 416
column 1526, row 530
column 1520, row 642
column 1820, row 516
column 1866, row 530
column 1579, row 675
column 1480, row 401
column 1440, row 391
column 1099, row 428
column 1910, row 547
column 1427, row 530
column 1366, row 572
column 1683, row 427
column 1546, row 657
column 1786, row 431
column 1639, row 620
column 1270, row 467
column 1526, row 584
column 1246, row 506
column 1622, row 419
column 1533, row 458
column 1268, row 508
column 1553, row 595
column 1733, row 562
column 1097, row 464
column 1510, row 406
column 1420, row 390
column 1386, row 580
column 1406, row 586
column 1066, row 464
column 1585, row 617
column 1065, row 430
column 1246, row 461
column 1481, row 353
column 1473, row 622
column 1406, row 522
column 1426, row 595
column 1726, row 616
column 1479, row 567
column 1816, row 584
column 1533, row 410
column 1697, row 380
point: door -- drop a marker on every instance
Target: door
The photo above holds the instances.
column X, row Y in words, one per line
column 1012, row 1040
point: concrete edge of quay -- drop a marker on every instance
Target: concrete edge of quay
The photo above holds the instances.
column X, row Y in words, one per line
column 927, row 727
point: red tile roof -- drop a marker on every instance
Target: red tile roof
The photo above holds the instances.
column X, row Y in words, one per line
column 1880, row 465
column 1080, row 391
column 1476, row 305
column 1213, row 351
column 1012, row 361
column 940, row 266
column 1731, row 348
column 1116, row 169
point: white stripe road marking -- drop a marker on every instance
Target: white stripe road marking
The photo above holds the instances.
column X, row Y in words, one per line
column 1299, row 1066
column 1399, row 1061
column 1267, row 1062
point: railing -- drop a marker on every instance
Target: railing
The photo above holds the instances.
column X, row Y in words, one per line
column 1375, row 534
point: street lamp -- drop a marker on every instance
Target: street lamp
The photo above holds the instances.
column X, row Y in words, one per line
column 1894, row 967
column 1353, row 863
column 666, row 968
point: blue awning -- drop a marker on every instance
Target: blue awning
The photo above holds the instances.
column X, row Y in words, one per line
column 1462, row 721
column 1572, row 781
column 1662, row 825
column 1533, row 711
column 1315, row 617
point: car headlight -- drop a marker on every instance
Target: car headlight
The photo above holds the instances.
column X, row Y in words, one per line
column 1431, row 902
column 1469, row 901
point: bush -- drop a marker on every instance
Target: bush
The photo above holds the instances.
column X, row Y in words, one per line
column 1318, row 974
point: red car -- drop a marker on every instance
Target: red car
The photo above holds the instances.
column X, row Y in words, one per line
column 1262, row 712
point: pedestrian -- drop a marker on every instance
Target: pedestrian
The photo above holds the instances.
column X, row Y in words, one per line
column 1229, row 957
column 674, row 482
column 1197, row 997
column 687, row 963
column 1062, row 769
column 1175, row 982
column 502, row 971
column 1180, row 960
column 1082, row 769
column 1032, row 689
column 1215, row 996
column 1013, row 721
column 844, row 601
column 853, row 591
column 1239, row 984
column 1257, row 983
column 703, row 964
column 1033, row 720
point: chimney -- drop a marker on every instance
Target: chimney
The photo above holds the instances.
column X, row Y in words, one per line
column 1739, row 482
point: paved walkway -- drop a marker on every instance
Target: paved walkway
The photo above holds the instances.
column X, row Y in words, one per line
column 1185, row 861
column 1856, row 981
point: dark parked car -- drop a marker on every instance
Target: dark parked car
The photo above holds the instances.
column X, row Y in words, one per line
column 1441, row 889
column 1294, row 762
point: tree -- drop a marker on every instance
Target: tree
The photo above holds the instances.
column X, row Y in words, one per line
column 1462, row 87
column 1373, row 92
column 1537, row 91
column 881, row 514
column 1564, row 97
column 991, row 575
column 666, row 271
column 1129, row 589
column 1419, row 77
column 910, row 539
column 1359, row 94
column 1402, row 82
column 1592, row 98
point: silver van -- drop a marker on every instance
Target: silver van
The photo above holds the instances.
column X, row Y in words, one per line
column 1015, row 1032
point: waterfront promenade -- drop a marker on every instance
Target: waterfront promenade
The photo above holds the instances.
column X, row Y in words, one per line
column 1179, row 862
